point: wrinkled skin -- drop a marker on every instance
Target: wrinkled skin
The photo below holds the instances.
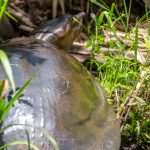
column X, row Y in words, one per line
column 64, row 100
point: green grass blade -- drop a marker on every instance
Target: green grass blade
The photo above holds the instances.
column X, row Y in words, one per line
column 120, row 16
column 51, row 139
column 100, row 5
column 1, row 2
column 3, row 8
column 19, row 143
column 138, row 129
column 26, row 127
column 10, row 16
column 5, row 62
column 136, row 45
column 127, row 12
column 100, row 18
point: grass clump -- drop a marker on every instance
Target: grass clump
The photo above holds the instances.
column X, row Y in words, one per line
column 125, row 77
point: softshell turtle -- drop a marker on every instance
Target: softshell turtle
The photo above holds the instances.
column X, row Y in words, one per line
column 64, row 99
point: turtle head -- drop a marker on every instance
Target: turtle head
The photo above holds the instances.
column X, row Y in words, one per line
column 61, row 31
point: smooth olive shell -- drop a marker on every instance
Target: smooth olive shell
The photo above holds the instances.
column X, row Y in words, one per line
column 64, row 100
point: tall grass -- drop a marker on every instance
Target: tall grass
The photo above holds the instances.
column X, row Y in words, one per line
column 127, row 82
